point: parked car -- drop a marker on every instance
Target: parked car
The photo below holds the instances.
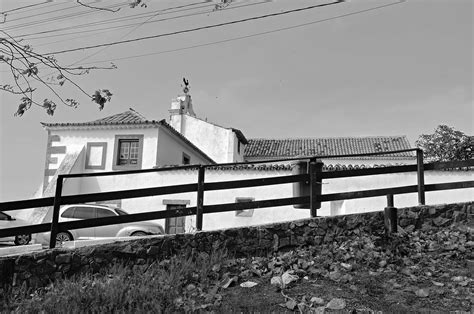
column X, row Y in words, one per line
column 7, row 221
column 78, row 212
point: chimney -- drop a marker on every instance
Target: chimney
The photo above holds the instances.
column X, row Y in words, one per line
column 182, row 105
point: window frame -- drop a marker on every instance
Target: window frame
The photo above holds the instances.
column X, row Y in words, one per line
column 125, row 137
column 104, row 155
column 109, row 210
column 186, row 156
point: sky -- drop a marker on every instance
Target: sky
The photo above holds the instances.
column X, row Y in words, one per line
column 356, row 68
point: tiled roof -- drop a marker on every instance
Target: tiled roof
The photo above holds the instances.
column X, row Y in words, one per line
column 281, row 148
column 128, row 117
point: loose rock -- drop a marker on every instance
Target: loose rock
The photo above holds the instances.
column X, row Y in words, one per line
column 336, row 304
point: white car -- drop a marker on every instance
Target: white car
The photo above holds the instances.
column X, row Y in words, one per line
column 7, row 221
column 79, row 212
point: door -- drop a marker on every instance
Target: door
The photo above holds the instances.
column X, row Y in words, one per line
column 106, row 231
column 79, row 213
column 176, row 224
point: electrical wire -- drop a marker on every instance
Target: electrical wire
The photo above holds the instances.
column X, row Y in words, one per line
column 111, row 21
column 195, row 29
column 24, row 7
column 107, row 28
column 124, row 36
column 57, row 18
column 250, row 35
column 98, row 30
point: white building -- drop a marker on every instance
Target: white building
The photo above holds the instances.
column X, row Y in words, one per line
column 128, row 141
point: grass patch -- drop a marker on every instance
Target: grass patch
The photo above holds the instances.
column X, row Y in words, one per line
column 181, row 283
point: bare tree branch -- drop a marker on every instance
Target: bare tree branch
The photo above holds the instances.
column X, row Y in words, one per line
column 27, row 69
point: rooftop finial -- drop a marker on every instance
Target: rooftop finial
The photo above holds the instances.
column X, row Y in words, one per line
column 186, row 86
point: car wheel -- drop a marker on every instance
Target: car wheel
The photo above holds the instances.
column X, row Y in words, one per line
column 139, row 234
column 22, row 239
column 63, row 237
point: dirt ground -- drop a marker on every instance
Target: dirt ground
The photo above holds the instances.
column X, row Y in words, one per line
column 366, row 294
column 430, row 270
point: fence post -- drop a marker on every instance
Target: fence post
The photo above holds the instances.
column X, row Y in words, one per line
column 315, row 181
column 390, row 219
column 56, row 205
column 200, row 198
column 420, row 176
column 389, row 200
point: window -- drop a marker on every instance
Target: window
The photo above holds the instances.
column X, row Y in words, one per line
column 244, row 212
column 84, row 213
column 103, row 212
column 186, row 159
column 128, row 152
column 95, row 155
column 69, row 213
column 238, row 146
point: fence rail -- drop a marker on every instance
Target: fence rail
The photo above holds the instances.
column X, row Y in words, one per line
column 314, row 178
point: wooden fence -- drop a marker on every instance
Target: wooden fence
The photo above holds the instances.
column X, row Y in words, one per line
column 314, row 178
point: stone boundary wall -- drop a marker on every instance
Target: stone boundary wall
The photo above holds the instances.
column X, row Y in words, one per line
column 39, row 269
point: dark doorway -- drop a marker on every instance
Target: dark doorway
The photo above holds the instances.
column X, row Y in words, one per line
column 176, row 224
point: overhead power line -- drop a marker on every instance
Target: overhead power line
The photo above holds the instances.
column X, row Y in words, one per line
column 24, row 7
column 115, row 20
column 250, row 35
column 57, row 18
column 124, row 36
column 98, row 30
column 197, row 28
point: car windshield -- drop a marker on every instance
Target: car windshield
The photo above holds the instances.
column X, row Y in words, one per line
column 120, row 212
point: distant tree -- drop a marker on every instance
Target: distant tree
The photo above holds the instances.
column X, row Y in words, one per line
column 446, row 144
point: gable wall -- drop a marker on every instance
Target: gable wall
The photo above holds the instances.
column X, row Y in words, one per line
column 217, row 142
column 73, row 138
column 171, row 149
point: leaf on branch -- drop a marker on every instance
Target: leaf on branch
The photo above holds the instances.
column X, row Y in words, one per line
column 50, row 106
column 71, row 102
column 136, row 3
column 32, row 70
column 7, row 88
column 223, row 4
column 24, row 105
column 101, row 96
